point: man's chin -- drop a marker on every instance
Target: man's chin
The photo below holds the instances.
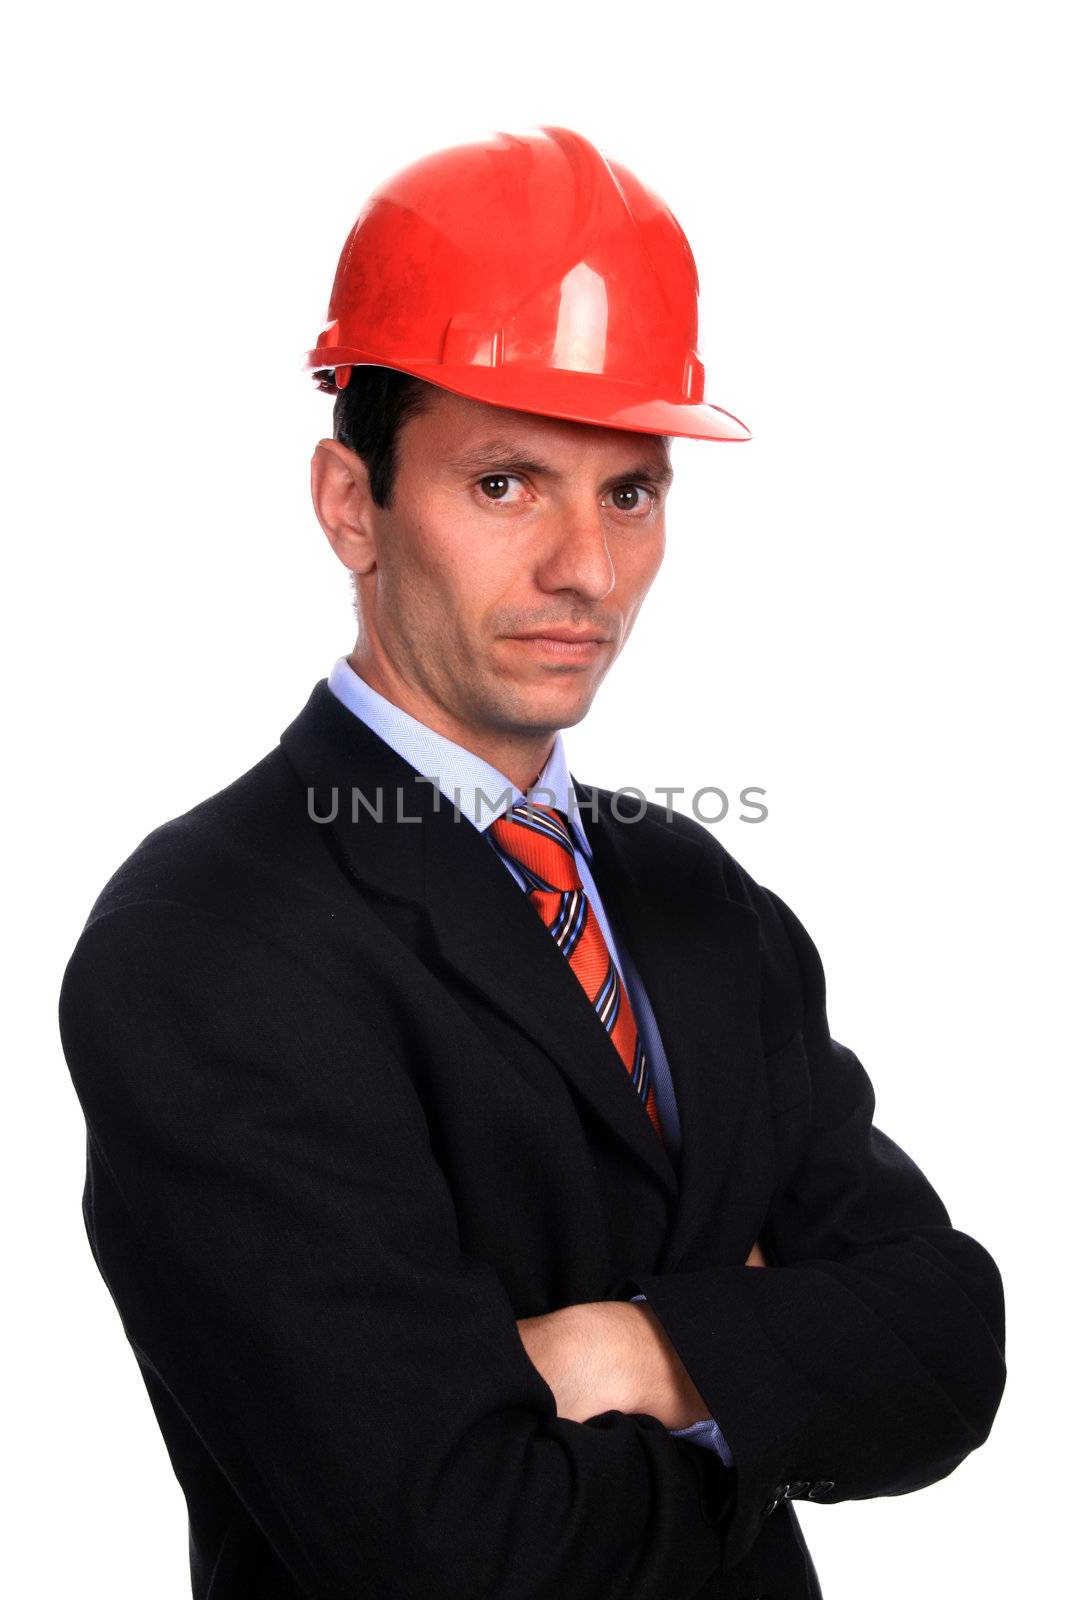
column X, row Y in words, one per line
column 559, row 701
column 541, row 708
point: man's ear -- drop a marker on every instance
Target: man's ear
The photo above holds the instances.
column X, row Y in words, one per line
column 340, row 493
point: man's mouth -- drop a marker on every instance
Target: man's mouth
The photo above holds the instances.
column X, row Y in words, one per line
column 563, row 646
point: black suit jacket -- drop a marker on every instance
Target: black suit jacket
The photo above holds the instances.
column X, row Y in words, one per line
column 350, row 1116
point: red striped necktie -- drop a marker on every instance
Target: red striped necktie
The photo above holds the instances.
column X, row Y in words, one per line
column 536, row 838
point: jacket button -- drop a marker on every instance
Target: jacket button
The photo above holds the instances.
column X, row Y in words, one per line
column 778, row 1494
column 822, row 1488
column 797, row 1490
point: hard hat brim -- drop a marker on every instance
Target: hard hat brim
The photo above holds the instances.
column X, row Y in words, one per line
column 572, row 396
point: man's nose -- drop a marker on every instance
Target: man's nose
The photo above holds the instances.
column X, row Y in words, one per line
column 577, row 555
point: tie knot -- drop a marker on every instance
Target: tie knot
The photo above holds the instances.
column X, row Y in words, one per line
column 537, row 839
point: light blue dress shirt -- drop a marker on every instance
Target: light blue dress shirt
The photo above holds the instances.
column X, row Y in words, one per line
column 481, row 792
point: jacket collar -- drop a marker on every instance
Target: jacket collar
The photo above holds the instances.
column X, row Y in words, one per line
column 696, row 950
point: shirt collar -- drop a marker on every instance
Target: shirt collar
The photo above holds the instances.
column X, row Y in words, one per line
column 458, row 773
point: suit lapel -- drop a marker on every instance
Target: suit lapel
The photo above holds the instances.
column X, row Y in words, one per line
column 696, row 951
column 484, row 927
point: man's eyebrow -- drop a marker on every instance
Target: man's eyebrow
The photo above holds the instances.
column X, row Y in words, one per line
column 504, row 457
column 650, row 469
column 500, row 456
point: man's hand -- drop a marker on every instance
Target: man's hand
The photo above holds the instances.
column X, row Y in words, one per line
column 611, row 1355
column 614, row 1355
column 585, row 1355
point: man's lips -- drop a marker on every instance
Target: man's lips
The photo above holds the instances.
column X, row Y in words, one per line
column 574, row 647
column 566, row 635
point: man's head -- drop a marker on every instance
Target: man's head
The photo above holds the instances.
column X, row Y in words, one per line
column 543, row 302
column 469, row 528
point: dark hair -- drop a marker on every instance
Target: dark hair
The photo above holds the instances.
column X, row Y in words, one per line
column 368, row 415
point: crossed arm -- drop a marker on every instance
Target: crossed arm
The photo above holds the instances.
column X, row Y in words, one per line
column 614, row 1355
column 272, row 1236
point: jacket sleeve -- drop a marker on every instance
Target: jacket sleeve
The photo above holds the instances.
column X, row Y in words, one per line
column 284, row 1253
column 708, row 1435
column 867, row 1357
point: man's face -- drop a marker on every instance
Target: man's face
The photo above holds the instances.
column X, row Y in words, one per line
column 506, row 531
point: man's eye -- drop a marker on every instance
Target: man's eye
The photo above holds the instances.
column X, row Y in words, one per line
column 495, row 485
column 625, row 497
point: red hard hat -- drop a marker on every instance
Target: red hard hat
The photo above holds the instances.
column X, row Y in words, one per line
column 526, row 271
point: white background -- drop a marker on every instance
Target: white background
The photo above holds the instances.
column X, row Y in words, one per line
column 857, row 610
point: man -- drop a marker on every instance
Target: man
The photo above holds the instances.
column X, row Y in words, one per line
column 489, row 1209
